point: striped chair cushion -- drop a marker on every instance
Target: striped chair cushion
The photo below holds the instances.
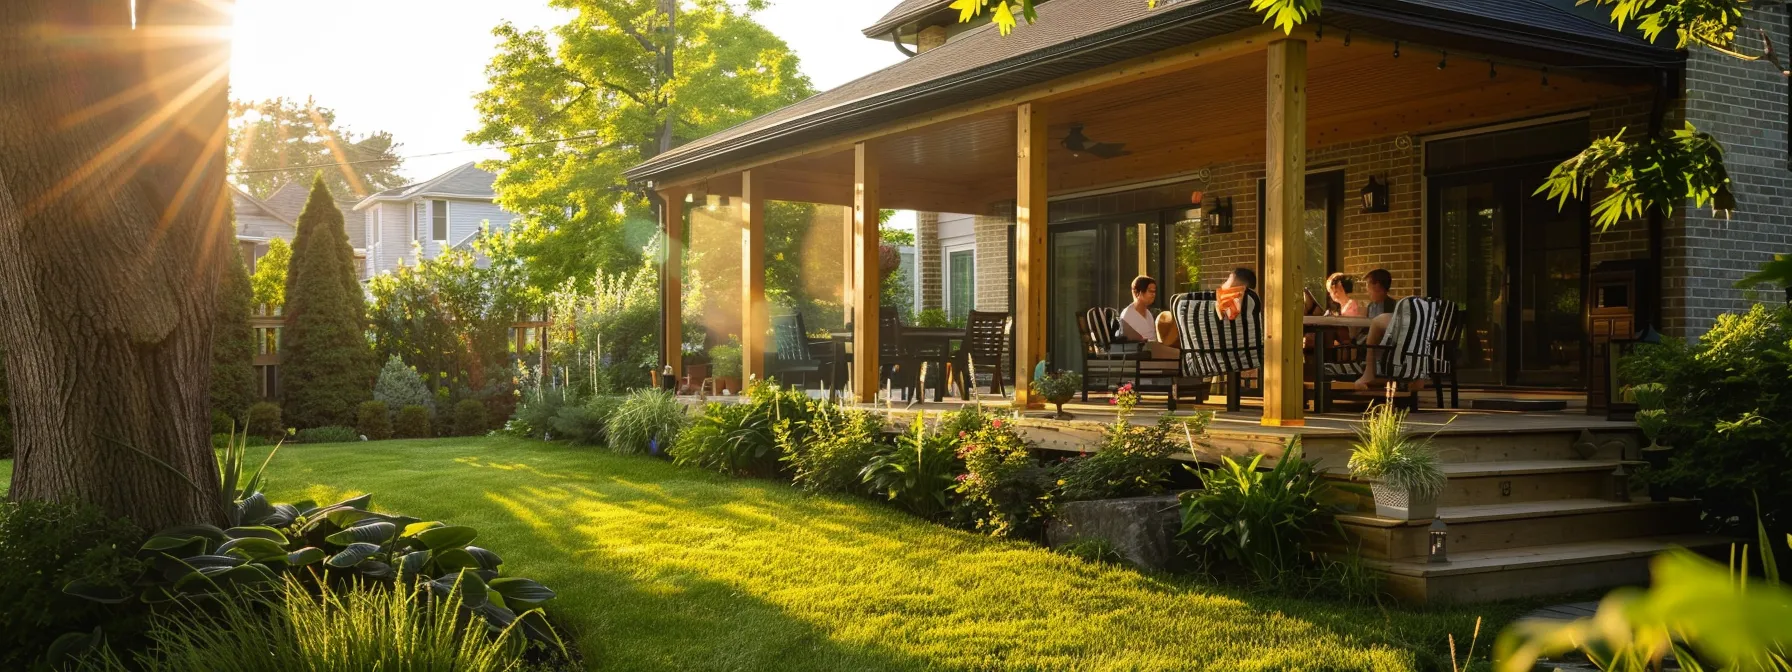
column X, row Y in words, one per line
column 1104, row 322
column 1412, row 339
column 1213, row 345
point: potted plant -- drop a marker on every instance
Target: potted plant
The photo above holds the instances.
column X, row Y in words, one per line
column 1402, row 469
column 1652, row 418
column 724, row 365
column 1058, row 387
column 696, row 368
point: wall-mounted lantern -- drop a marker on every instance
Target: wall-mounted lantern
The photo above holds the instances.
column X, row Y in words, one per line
column 1375, row 196
column 1219, row 216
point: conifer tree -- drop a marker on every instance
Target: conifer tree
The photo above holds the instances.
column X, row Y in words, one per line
column 325, row 360
column 233, row 342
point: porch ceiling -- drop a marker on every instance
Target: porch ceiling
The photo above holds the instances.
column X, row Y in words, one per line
column 1206, row 115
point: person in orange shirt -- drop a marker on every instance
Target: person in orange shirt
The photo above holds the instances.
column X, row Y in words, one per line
column 1231, row 292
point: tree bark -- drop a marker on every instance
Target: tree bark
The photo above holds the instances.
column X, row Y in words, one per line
column 113, row 220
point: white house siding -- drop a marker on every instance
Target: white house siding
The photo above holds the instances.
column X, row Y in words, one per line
column 405, row 221
column 394, row 242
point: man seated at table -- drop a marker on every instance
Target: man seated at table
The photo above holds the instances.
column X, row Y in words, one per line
column 1381, row 313
column 1379, row 281
column 1139, row 326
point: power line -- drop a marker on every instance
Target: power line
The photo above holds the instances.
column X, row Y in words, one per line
column 576, row 138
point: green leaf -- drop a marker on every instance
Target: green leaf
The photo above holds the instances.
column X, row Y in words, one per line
column 522, row 592
column 87, row 589
column 487, row 559
column 411, row 565
column 472, row 589
column 245, row 575
column 376, row 532
column 179, row 547
column 452, row 560
column 73, row 646
column 257, row 531
column 253, row 549
column 283, row 515
column 306, row 556
column 210, row 532
column 447, row 537
column 375, row 569
column 413, row 529
column 253, row 509
column 351, row 556
column 346, row 518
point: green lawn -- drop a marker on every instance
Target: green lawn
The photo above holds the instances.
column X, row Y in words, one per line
column 664, row 568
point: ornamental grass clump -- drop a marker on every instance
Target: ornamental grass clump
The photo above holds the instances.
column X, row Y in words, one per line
column 1387, row 454
column 647, row 422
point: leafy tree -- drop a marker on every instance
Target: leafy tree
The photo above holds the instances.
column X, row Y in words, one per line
column 451, row 316
column 269, row 280
column 276, row 141
column 233, row 343
column 400, row 386
column 325, row 359
column 112, row 212
column 630, row 79
column 1641, row 174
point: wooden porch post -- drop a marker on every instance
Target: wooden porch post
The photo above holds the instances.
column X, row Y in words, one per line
column 672, row 283
column 865, row 287
column 1029, row 249
column 753, row 317
column 1284, row 199
column 848, row 227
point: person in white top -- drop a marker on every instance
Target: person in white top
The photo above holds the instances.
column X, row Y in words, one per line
column 1136, row 321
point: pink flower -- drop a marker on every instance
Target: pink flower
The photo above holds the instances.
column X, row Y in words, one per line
column 961, row 434
column 961, row 477
column 998, row 424
column 1113, row 400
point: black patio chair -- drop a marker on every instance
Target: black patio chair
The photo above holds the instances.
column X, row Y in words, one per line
column 1213, row 346
column 984, row 347
column 1102, row 367
column 799, row 360
column 1443, row 366
column 896, row 365
column 1409, row 350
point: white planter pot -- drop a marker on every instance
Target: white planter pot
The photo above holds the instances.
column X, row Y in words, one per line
column 1400, row 504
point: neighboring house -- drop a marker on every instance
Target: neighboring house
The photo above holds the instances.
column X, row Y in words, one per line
column 421, row 220
column 259, row 221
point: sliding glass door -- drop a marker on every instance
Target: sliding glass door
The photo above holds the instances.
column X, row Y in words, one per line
column 1093, row 264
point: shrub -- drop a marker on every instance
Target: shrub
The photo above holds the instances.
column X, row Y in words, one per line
column 327, row 435
column 1385, row 452
column 725, row 360
column 535, row 415
column 841, row 442
column 325, row 362
column 648, row 421
column 43, row 547
column 585, row 423
column 920, row 472
column 374, row 420
column 340, row 629
column 224, row 423
column 739, row 438
column 412, row 422
column 469, row 418
column 1723, row 406
column 265, row 421
column 233, row 383
column 967, row 420
column 1257, row 520
column 1004, row 488
column 1131, row 462
column 400, row 386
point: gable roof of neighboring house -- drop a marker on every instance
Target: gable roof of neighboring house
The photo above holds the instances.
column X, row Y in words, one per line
column 465, row 181
column 905, row 12
column 256, row 220
column 1074, row 36
column 288, row 202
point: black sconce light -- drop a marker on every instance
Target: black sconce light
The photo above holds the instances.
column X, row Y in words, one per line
column 1219, row 217
column 1375, row 196
column 1440, row 536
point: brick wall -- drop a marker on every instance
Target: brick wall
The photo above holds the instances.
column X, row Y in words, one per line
column 1744, row 105
column 927, row 241
column 992, row 232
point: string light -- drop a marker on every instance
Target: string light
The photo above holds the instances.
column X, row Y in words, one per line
column 1321, row 37
column 1347, row 38
column 1546, row 76
column 1443, row 62
column 1396, row 48
column 1492, row 73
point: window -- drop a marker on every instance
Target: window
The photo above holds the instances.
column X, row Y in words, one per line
column 961, row 283
column 378, row 223
column 1319, row 221
column 438, row 220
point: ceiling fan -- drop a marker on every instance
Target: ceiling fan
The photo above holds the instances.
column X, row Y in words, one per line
column 1080, row 144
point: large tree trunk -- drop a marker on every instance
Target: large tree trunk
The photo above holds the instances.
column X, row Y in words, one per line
column 113, row 219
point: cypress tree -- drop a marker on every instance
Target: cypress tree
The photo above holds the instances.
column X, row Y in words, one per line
column 233, row 342
column 325, row 360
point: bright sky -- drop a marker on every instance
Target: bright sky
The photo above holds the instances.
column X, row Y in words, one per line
column 411, row 67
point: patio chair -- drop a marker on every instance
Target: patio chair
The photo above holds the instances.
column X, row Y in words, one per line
column 984, row 347
column 896, row 365
column 1409, row 350
column 799, row 358
column 1102, row 367
column 1213, row 346
column 1443, row 365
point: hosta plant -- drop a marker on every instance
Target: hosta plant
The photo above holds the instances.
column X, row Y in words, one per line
column 1257, row 520
column 920, row 471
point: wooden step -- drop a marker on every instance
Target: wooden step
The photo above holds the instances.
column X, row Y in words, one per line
column 1488, row 527
column 1484, row 576
column 1454, row 447
column 1473, row 483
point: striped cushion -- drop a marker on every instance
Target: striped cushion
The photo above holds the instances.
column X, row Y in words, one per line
column 1213, row 345
column 1103, row 322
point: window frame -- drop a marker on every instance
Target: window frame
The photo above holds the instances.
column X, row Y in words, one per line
column 379, row 223
column 446, row 223
column 946, row 288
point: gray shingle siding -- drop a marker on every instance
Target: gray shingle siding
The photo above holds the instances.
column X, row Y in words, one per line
column 1745, row 105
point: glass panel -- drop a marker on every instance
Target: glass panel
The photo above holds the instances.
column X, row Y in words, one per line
column 1186, row 272
column 1472, row 260
column 1129, row 252
column 1314, row 222
column 1073, row 290
column 961, row 282
column 1550, row 329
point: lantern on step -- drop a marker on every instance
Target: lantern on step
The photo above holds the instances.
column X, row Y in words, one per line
column 1439, row 534
column 1375, row 195
column 1621, row 484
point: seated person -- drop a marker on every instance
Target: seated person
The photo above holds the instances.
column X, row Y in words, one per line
column 1338, row 287
column 1378, row 329
column 1169, row 338
column 1231, row 292
column 1379, row 281
column 1136, row 322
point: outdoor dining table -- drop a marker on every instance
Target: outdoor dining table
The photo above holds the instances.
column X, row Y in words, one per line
column 933, row 344
column 1317, row 325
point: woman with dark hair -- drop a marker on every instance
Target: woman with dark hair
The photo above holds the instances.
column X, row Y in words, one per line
column 1338, row 287
column 1136, row 322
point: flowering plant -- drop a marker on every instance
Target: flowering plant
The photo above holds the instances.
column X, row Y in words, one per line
column 1125, row 399
column 1004, row 488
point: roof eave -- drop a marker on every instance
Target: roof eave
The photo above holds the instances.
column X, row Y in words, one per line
column 888, row 24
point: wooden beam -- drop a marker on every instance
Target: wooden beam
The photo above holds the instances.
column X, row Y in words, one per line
column 848, row 254
column 865, row 287
column 672, row 282
column 1118, row 74
column 753, row 316
column 1031, row 144
column 1284, row 201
